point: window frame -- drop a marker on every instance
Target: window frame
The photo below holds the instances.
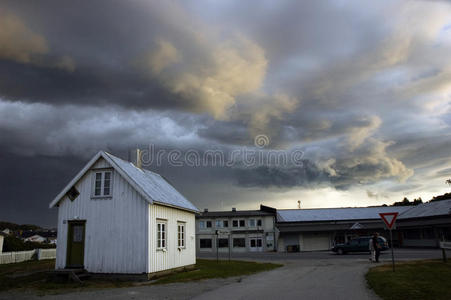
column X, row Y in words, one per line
column 202, row 224
column 222, row 240
column 211, row 243
column 162, row 235
column 239, row 223
column 237, row 246
column 98, row 184
column 181, row 235
column 222, row 223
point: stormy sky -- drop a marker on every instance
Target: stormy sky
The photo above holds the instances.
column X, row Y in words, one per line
column 353, row 95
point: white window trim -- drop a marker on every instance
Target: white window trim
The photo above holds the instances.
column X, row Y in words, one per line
column 238, row 220
column 181, row 224
column 158, row 235
column 204, row 222
column 221, row 221
column 102, row 184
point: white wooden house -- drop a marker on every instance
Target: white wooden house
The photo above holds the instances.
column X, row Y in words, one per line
column 115, row 217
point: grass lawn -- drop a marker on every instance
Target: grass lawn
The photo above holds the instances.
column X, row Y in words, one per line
column 32, row 275
column 429, row 279
column 211, row 269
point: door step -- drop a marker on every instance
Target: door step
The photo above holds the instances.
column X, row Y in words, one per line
column 74, row 275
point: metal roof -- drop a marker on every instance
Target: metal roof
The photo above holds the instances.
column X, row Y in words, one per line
column 434, row 208
column 335, row 214
column 152, row 186
column 232, row 214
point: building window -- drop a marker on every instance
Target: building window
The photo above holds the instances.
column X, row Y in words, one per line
column 161, row 235
column 223, row 243
column 208, row 224
column 239, row 243
column 201, row 224
column 221, row 223
column 256, row 243
column 102, row 184
column 259, row 223
column 252, row 222
column 205, row 243
column 238, row 223
column 181, row 234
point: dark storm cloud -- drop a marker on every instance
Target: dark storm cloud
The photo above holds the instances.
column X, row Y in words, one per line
column 362, row 87
column 32, row 182
column 307, row 175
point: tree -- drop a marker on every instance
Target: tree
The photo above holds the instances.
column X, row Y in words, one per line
column 448, row 181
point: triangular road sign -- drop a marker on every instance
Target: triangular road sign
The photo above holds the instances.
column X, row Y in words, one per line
column 389, row 218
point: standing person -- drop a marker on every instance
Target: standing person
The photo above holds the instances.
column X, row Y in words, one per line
column 372, row 250
column 376, row 246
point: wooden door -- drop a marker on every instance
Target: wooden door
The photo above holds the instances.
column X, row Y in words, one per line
column 75, row 244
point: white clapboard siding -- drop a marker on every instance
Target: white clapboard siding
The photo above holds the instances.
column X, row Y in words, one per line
column 172, row 258
column 116, row 228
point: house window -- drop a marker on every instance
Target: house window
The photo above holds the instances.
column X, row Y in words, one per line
column 208, row 224
column 181, row 234
column 252, row 223
column 221, row 223
column 161, row 234
column 102, row 184
column 205, row 243
column 239, row 243
column 223, row 243
column 259, row 223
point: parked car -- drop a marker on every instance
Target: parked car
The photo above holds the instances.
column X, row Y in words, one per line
column 360, row 244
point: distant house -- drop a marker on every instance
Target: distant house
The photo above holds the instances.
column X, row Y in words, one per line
column 236, row 230
column 6, row 231
column 116, row 217
column 35, row 238
column 1, row 241
column 39, row 236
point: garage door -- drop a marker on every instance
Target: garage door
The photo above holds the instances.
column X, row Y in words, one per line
column 315, row 242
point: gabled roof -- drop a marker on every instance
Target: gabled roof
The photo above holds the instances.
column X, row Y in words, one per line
column 151, row 186
column 429, row 209
column 335, row 214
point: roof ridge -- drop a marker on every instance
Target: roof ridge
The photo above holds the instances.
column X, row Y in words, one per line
column 301, row 209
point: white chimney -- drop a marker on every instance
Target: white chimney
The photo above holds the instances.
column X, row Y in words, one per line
column 135, row 158
column 139, row 163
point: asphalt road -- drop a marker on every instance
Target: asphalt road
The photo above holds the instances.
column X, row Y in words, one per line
column 314, row 275
column 400, row 254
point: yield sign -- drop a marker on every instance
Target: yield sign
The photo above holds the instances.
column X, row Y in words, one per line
column 389, row 218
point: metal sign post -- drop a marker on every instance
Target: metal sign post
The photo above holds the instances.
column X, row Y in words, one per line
column 217, row 246
column 230, row 243
column 391, row 246
column 389, row 220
